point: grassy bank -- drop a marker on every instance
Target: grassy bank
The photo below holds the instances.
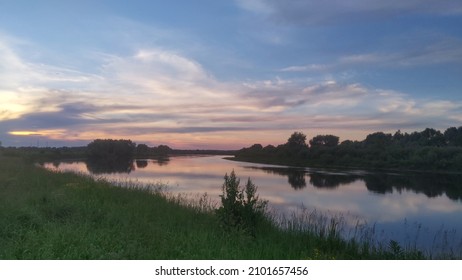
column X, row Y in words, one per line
column 45, row 215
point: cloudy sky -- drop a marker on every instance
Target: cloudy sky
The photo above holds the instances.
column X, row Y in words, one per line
column 226, row 74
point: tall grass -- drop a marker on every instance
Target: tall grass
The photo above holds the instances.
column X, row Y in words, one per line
column 47, row 215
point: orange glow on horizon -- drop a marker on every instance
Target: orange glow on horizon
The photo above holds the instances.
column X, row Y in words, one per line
column 23, row 133
column 50, row 133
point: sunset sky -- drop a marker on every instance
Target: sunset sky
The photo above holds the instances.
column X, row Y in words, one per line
column 226, row 74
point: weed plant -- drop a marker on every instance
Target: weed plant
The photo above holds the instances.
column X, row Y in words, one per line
column 240, row 209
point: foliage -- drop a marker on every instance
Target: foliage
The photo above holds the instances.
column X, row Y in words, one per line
column 109, row 150
column 324, row 140
column 378, row 139
column 453, row 136
column 142, row 150
column 240, row 208
column 428, row 150
column 297, row 141
column 45, row 153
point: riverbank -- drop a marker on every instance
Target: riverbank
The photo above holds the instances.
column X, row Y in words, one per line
column 297, row 163
column 47, row 215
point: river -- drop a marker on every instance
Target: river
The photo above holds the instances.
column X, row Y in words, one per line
column 415, row 209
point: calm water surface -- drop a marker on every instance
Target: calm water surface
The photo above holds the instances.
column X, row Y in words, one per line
column 414, row 209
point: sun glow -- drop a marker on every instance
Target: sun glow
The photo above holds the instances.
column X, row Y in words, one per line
column 50, row 132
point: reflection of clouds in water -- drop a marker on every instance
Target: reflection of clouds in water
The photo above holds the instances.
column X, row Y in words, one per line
column 410, row 204
column 78, row 167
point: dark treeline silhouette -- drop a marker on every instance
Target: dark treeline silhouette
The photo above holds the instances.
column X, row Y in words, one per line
column 106, row 149
column 123, row 156
column 45, row 153
column 143, row 150
column 111, row 150
column 429, row 150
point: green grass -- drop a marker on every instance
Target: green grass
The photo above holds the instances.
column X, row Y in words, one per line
column 46, row 215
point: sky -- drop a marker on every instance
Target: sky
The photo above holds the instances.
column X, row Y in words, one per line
column 226, row 74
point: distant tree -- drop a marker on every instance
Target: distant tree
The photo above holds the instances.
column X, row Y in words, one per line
column 163, row 150
column 324, row 140
column 347, row 143
column 254, row 150
column 432, row 137
column 111, row 150
column 378, row 139
column 296, row 145
column 453, row 136
column 297, row 141
column 269, row 149
column 398, row 136
column 256, row 147
column 142, row 150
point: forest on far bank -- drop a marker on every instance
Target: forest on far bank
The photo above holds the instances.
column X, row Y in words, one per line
column 105, row 150
column 429, row 150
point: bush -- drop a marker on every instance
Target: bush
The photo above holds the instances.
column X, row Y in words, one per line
column 109, row 150
column 241, row 208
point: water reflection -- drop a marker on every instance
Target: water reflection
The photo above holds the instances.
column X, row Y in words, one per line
column 332, row 181
column 109, row 167
column 141, row 163
column 431, row 185
column 296, row 176
column 99, row 167
column 161, row 161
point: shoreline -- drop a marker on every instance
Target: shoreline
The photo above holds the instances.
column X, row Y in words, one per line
column 335, row 167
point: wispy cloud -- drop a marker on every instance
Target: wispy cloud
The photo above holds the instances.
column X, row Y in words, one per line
column 311, row 12
column 439, row 51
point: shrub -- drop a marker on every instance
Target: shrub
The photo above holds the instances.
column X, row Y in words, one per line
column 109, row 150
column 241, row 208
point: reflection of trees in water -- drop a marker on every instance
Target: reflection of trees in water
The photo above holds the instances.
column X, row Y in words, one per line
column 432, row 185
column 297, row 180
column 141, row 163
column 378, row 183
column 108, row 167
column 296, row 177
column 161, row 161
column 321, row 180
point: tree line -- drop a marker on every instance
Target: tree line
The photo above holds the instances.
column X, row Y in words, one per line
column 429, row 149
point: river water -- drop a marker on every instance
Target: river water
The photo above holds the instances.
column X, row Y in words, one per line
column 415, row 209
